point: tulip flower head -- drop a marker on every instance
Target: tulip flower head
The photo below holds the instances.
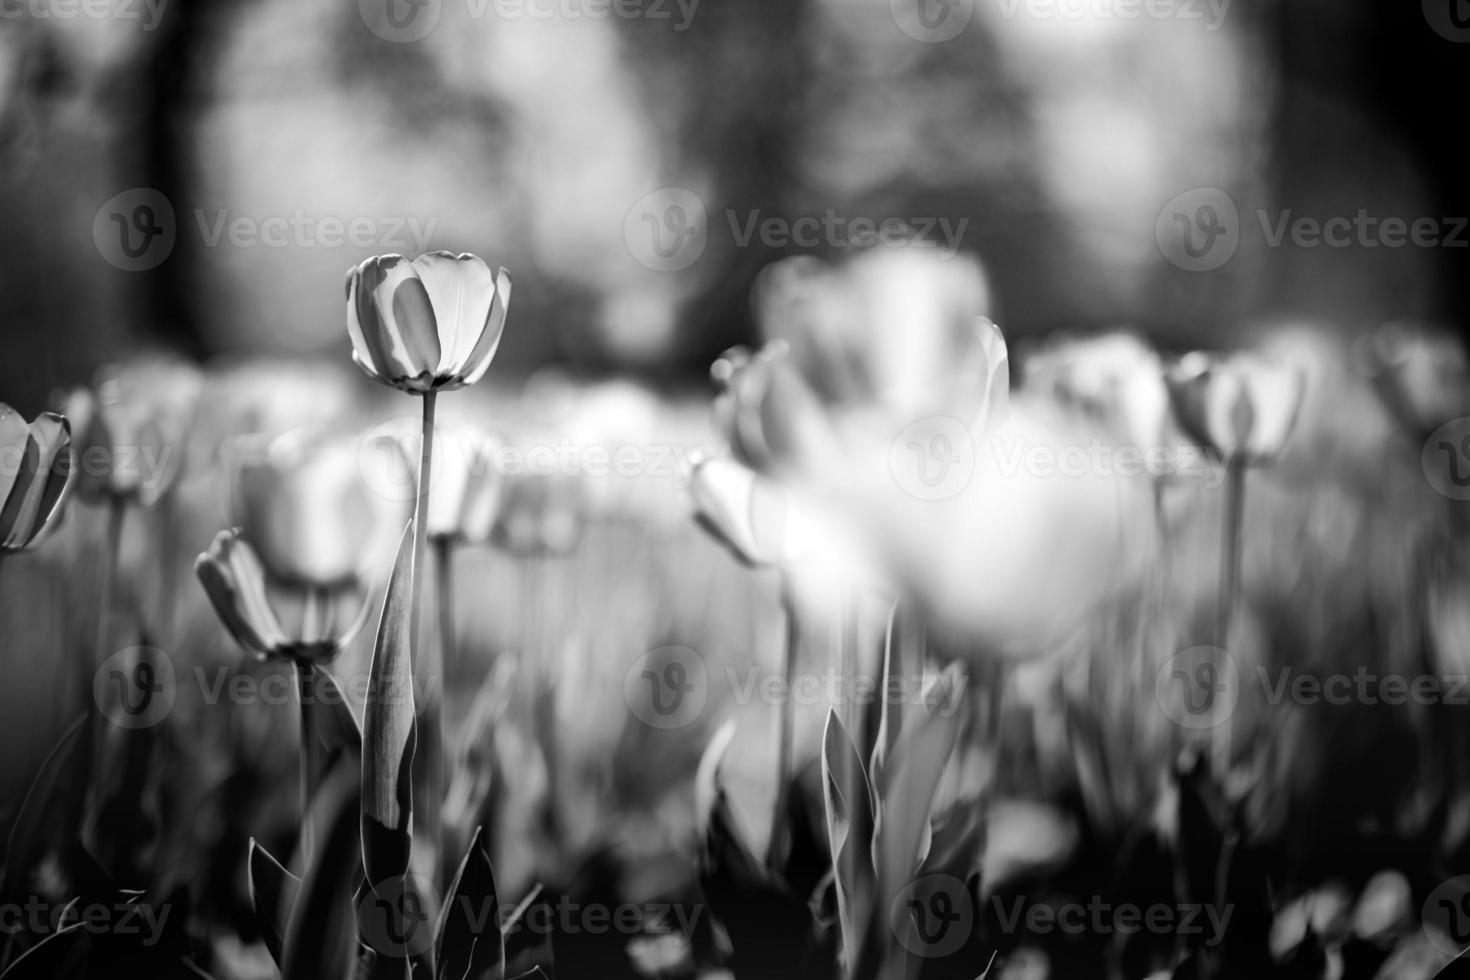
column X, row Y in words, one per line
column 427, row 325
column 1240, row 406
column 36, row 471
column 301, row 502
column 747, row 513
column 1115, row 378
column 1421, row 374
column 238, row 587
column 468, row 487
column 130, row 430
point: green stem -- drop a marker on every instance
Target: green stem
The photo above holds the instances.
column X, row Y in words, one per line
column 444, row 580
column 776, row 850
column 1230, row 559
column 428, row 668
column 305, row 694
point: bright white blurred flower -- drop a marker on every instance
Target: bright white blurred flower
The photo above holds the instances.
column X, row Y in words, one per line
column 1115, row 378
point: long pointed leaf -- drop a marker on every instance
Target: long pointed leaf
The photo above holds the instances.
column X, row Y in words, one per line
column 388, row 730
column 43, row 820
column 273, row 893
column 469, row 940
column 849, row 804
column 321, row 939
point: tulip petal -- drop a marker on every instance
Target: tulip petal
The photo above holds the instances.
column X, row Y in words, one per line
column 478, row 361
column 235, row 583
column 13, row 436
column 54, row 472
column 390, row 310
column 461, row 289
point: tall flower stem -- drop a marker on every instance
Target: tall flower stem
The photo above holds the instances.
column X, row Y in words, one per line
column 1230, row 554
column 776, row 850
column 444, row 587
column 428, row 665
column 310, row 777
column 112, row 547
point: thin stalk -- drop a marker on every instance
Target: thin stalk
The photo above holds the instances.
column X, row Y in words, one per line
column 429, row 668
column 305, row 697
column 1230, row 554
column 776, row 850
column 116, row 512
column 444, row 581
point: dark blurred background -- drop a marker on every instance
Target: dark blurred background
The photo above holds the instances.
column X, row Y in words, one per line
column 529, row 139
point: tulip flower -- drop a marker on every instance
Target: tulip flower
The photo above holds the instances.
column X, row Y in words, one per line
column 747, row 513
column 425, row 326
column 1239, row 407
column 429, row 325
column 36, row 473
column 240, row 589
column 301, row 502
column 1115, row 378
column 1242, row 408
column 1420, row 373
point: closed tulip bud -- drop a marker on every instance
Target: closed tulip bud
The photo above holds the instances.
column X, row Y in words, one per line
column 301, row 502
column 36, row 472
column 467, row 487
column 770, row 417
column 1420, row 373
column 237, row 585
column 1115, row 378
column 1241, row 406
column 130, row 430
column 747, row 513
column 428, row 325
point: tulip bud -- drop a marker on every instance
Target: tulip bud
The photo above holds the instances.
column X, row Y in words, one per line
column 301, row 503
column 1242, row 405
column 467, row 487
column 1115, row 378
column 36, row 472
column 432, row 324
column 1420, row 373
column 745, row 512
